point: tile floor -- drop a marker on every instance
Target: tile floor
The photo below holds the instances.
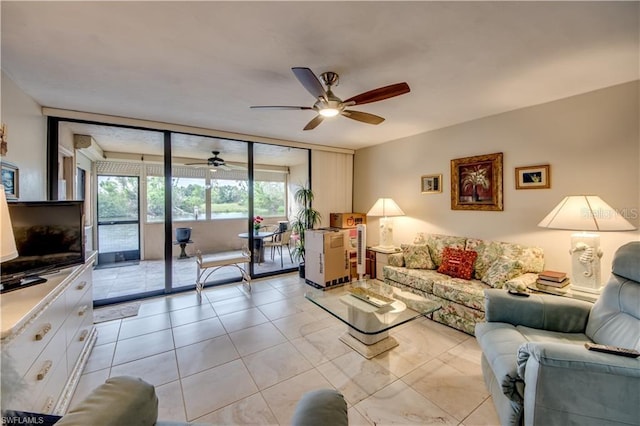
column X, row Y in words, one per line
column 246, row 358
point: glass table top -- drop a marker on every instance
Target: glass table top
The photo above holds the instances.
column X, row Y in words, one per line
column 371, row 306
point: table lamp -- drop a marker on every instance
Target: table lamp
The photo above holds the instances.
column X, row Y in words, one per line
column 385, row 207
column 8, row 249
column 585, row 213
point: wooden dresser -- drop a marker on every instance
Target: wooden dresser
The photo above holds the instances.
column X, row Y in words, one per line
column 47, row 336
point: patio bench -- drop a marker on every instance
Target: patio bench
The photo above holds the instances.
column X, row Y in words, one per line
column 210, row 263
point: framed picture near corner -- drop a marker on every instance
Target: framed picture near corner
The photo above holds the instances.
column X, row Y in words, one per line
column 533, row 177
column 476, row 183
column 431, row 184
column 10, row 180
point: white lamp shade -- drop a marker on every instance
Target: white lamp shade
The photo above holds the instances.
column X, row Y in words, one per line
column 585, row 213
column 8, row 249
column 385, row 207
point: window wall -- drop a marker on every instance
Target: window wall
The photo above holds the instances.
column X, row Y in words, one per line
column 216, row 200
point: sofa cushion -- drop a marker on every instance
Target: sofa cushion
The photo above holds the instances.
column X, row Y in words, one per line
column 465, row 292
column 532, row 258
column 416, row 256
column 420, row 279
column 396, row 259
column 488, row 253
column 457, row 263
column 437, row 243
column 501, row 271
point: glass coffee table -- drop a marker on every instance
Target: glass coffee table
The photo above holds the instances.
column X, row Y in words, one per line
column 371, row 308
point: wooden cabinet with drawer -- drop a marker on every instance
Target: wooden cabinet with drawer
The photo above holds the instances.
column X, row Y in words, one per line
column 47, row 335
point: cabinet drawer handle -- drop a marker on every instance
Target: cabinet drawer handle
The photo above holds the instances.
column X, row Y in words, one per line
column 82, row 285
column 44, row 370
column 83, row 310
column 46, row 408
column 83, row 335
column 43, row 332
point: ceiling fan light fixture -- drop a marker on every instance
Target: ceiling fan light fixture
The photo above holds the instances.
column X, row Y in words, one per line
column 329, row 112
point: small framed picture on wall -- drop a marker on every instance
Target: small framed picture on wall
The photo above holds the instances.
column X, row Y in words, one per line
column 431, row 184
column 533, row 177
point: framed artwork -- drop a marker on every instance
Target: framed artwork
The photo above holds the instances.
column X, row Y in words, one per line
column 10, row 180
column 533, row 177
column 476, row 183
column 431, row 184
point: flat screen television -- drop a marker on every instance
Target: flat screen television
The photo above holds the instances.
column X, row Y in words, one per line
column 49, row 236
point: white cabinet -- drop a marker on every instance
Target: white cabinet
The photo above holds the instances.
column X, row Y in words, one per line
column 47, row 335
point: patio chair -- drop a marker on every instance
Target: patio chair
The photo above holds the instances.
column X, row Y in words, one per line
column 280, row 240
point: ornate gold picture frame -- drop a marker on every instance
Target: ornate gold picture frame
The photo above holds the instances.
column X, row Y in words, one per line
column 476, row 183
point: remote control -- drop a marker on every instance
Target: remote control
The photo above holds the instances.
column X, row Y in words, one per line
column 519, row 293
column 631, row 353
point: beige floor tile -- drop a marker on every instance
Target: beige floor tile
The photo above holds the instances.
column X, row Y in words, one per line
column 323, row 345
column 456, row 392
column 219, row 293
column 300, row 324
column 407, row 356
column 153, row 307
column 252, row 410
column 355, row 376
column 268, row 296
column 242, row 319
column 136, row 326
column 279, row 309
column 275, row 364
column 401, row 405
column 191, row 314
column 101, row 357
column 283, row 397
column 256, row 338
column 143, row 346
column 206, row 354
column 229, row 306
column 484, row 415
column 194, row 332
column 215, row 388
column 86, row 384
column 157, row 369
column 108, row 332
column 170, row 402
column 357, row 419
column 184, row 300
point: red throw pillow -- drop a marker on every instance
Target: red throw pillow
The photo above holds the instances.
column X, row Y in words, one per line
column 457, row 263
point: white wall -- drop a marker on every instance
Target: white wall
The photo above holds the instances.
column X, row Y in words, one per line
column 27, row 139
column 591, row 141
column 332, row 183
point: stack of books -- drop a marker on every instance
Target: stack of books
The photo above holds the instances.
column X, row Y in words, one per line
column 553, row 281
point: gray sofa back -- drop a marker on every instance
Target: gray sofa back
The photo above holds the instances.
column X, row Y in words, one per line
column 615, row 317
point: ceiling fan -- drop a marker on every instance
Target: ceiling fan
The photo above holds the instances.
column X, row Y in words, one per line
column 215, row 162
column 329, row 105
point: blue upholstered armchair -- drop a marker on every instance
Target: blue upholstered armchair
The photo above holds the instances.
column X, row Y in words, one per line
column 535, row 363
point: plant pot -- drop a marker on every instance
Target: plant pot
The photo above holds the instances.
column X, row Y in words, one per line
column 183, row 235
column 301, row 270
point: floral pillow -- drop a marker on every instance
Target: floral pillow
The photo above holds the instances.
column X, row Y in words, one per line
column 416, row 256
column 502, row 270
column 457, row 263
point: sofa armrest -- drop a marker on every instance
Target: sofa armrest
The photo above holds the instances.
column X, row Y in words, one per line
column 521, row 282
column 119, row 401
column 540, row 311
column 568, row 384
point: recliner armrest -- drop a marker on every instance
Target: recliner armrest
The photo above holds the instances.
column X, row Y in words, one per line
column 546, row 312
column 568, row 384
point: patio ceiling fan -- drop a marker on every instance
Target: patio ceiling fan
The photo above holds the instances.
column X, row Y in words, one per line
column 214, row 162
column 329, row 105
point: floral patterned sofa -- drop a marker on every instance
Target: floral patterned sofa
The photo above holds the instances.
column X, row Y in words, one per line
column 455, row 271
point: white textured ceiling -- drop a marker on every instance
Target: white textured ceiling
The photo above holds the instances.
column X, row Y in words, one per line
column 204, row 63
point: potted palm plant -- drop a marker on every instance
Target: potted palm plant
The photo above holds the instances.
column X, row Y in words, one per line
column 306, row 218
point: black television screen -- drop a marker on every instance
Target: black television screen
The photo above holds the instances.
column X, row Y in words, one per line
column 49, row 236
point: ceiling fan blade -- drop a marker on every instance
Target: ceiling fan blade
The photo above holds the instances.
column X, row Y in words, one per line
column 310, row 82
column 365, row 117
column 314, row 123
column 379, row 94
column 196, row 164
column 279, row 107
